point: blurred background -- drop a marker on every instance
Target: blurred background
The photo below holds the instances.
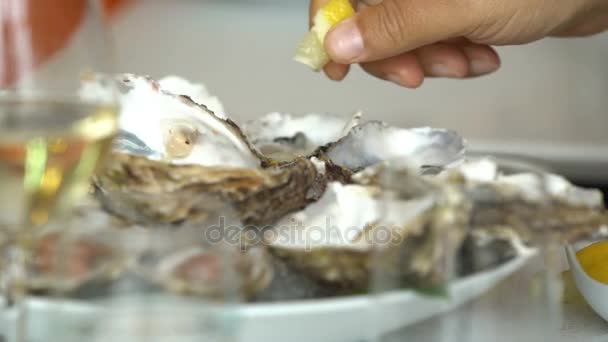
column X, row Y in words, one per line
column 549, row 100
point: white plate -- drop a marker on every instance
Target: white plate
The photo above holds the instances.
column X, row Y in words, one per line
column 341, row 319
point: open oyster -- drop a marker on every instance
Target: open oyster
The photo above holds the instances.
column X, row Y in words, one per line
column 183, row 149
column 189, row 150
column 205, row 272
column 318, row 193
column 334, row 239
column 87, row 254
column 372, row 142
column 471, row 213
column 284, row 137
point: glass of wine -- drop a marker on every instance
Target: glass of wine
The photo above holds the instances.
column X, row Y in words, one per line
column 115, row 280
column 51, row 140
column 413, row 268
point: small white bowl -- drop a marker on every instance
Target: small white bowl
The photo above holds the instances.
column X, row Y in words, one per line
column 595, row 293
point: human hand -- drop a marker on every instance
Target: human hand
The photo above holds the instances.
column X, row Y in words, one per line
column 404, row 41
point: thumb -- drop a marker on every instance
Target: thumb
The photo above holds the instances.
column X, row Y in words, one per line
column 396, row 26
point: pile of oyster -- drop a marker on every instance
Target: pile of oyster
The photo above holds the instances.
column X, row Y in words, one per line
column 322, row 203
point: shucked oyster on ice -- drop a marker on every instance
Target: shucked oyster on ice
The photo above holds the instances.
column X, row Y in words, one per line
column 326, row 185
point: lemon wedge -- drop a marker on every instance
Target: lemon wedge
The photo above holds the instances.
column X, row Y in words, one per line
column 311, row 50
column 594, row 260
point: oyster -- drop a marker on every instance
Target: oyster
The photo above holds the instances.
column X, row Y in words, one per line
column 529, row 205
column 69, row 260
column 197, row 92
column 470, row 212
column 284, row 137
column 320, row 197
column 150, row 191
column 198, row 153
column 373, row 142
column 183, row 149
column 197, row 271
column 180, row 129
column 334, row 239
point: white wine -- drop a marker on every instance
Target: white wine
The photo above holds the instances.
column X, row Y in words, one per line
column 48, row 152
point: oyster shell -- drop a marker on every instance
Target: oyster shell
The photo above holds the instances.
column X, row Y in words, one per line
column 485, row 217
column 373, row 142
column 180, row 129
column 347, row 221
column 144, row 190
column 195, row 91
column 284, row 137
column 181, row 150
column 145, row 181
column 88, row 253
column 287, row 177
column 202, row 272
column 530, row 201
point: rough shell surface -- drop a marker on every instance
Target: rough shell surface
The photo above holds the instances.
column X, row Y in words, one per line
column 362, row 177
column 151, row 191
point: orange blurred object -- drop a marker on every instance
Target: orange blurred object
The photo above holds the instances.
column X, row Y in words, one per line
column 43, row 26
column 13, row 155
column 112, row 6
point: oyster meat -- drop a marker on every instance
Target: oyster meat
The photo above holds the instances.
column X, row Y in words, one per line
column 373, row 142
column 284, row 137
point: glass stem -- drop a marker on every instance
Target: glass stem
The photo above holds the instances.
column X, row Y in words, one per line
column 17, row 289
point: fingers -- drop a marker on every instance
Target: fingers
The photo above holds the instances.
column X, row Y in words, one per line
column 463, row 60
column 443, row 60
column 383, row 36
column 482, row 59
column 404, row 70
column 372, row 2
column 459, row 60
column 396, row 26
column 335, row 71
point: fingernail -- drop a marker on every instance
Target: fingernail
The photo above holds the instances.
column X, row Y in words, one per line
column 482, row 66
column 394, row 78
column 345, row 42
column 443, row 70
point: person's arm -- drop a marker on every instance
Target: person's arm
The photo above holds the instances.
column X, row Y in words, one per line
column 405, row 41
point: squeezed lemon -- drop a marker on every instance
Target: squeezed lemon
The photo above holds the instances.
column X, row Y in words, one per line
column 311, row 51
column 594, row 260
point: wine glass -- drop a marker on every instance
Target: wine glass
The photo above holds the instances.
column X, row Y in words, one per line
column 122, row 281
column 412, row 272
column 527, row 304
column 50, row 138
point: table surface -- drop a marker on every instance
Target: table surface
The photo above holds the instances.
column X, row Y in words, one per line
column 506, row 313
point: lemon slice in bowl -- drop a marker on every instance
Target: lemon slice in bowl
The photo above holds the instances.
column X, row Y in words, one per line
column 311, row 50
